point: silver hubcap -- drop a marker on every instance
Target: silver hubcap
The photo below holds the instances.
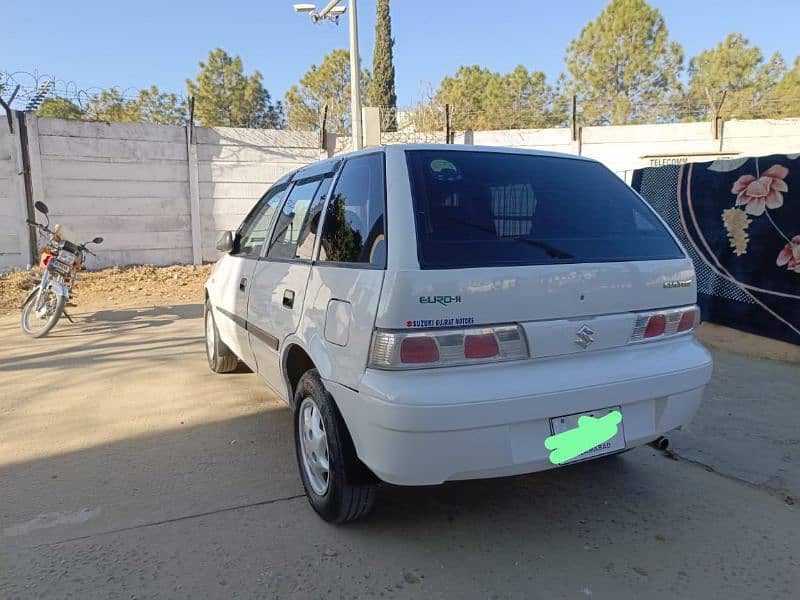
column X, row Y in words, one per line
column 314, row 447
column 210, row 336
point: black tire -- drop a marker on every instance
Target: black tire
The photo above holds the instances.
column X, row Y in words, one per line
column 27, row 313
column 351, row 487
column 220, row 358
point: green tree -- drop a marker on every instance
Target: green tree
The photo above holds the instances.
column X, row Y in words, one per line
column 481, row 99
column 623, row 66
column 154, row 106
column 149, row 106
column 110, row 105
column 225, row 96
column 381, row 91
column 60, row 108
column 735, row 71
column 328, row 83
column 784, row 100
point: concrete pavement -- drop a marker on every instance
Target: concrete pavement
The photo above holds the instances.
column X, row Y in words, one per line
column 128, row 470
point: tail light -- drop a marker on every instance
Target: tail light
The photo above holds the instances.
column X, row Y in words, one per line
column 447, row 347
column 665, row 323
column 418, row 350
column 656, row 326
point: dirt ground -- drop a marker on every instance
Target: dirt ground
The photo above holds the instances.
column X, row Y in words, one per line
column 182, row 284
column 115, row 287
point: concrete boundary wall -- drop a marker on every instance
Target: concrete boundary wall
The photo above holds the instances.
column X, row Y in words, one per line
column 14, row 239
column 236, row 166
column 158, row 194
column 628, row 147
column 161, row 194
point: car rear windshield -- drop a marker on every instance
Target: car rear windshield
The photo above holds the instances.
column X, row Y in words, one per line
column 490, row 209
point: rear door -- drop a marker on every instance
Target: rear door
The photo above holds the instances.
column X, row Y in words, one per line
column 281, row 276
column 554, row 243
column 346, row 279
column 233, row 276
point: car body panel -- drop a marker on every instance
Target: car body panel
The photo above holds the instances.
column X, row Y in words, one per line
column 270, row 320
column 430, row 426
column 229, row 303
column 532, row 293
column 362, row 289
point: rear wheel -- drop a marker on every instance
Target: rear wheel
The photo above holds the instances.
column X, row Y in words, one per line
column 38, row 318
column 338, row 486
column 220, row 358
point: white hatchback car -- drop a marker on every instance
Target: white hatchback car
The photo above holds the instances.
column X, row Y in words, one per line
column 435, row 313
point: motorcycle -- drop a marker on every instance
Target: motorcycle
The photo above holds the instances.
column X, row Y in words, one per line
column 59, row 262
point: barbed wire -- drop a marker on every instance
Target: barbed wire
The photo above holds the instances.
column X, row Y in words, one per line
column 429, row 115
column 31, row 83
column 432, row 114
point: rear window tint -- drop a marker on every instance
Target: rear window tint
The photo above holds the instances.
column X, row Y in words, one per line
column 485, row 209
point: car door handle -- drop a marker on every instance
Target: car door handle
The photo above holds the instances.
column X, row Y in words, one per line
column 288, row 298
column 243, row 284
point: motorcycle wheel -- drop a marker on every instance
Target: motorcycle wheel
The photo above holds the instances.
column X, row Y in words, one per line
column 39, row 323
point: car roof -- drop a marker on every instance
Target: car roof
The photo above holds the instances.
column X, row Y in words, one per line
column 488, row 149
column 331, row 164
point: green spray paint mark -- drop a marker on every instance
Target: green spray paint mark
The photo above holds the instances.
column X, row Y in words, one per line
column 589, row 433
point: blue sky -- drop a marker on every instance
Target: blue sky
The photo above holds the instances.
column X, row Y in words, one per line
column 132, row 45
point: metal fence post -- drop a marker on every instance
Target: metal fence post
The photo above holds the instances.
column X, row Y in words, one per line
column 574, row 118
column 24, row 165
column 447, row 129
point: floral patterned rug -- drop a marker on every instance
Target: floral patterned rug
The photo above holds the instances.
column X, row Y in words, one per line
column 739, row 219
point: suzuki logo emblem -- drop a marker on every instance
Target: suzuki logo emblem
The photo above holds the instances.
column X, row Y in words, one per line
column 585, row 336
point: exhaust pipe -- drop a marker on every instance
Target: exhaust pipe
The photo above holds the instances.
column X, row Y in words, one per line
column 660, row 443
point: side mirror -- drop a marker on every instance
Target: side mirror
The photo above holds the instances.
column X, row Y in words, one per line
column 41, row 207
column 225, row 243
column 97, row 240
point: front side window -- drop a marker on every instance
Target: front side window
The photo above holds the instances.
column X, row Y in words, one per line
column 295, row 229
column 492, row 209
column 354, row 227
column 253, row 232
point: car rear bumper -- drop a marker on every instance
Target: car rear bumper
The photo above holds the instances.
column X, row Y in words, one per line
column 427, row 427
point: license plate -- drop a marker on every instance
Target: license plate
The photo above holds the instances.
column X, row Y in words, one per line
column 60, row 267
column 567, row 422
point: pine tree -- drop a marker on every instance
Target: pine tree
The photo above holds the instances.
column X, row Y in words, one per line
column 624, row 67
column 225, row 96
column 326, row 84
column 736, row 71
column 784, row 101
column 381, row 92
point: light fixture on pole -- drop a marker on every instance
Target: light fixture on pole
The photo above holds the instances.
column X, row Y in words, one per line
column 331, row 12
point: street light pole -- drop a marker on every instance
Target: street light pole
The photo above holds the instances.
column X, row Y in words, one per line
column 332, row 11
column 355, row 78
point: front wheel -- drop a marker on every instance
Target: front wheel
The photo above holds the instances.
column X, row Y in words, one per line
column 38, row 318
column 339, row 487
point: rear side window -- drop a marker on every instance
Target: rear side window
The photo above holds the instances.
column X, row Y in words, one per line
column 354, row 227
column 484, row 209
column 308, row 234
